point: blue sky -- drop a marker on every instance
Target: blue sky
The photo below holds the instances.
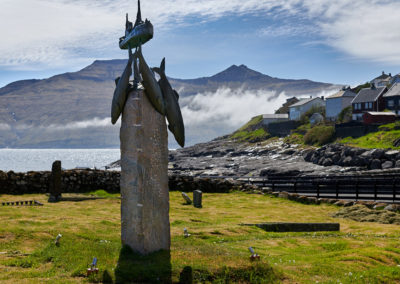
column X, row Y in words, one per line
column 342, row 41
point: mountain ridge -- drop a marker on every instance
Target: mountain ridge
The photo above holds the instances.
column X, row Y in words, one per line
column 34, row 111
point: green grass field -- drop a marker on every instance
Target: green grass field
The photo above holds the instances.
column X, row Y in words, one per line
column 216, row 251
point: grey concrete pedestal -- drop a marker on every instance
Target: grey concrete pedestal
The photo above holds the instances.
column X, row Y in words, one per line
column 144, row 176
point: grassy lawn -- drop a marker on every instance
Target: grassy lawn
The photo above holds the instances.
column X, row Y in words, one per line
column 216, row 249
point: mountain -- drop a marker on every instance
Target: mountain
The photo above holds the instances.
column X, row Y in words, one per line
column 72, row 110
column 242, row 77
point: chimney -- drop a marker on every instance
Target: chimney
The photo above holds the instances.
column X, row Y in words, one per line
column 310, row 97
column 322, row 97
column 390, row 74
column 383, row 72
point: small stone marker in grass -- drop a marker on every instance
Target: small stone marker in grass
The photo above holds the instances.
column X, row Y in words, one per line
column 187, row 198
column 55, row 182
column 197, row 196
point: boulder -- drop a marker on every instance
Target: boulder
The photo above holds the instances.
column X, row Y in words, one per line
column 307, row 155
column 312, row 200
column 391, row 154
column 327, row 162
column 377, row 153
column 379, row 206
column 335, row 158
column 283, row 194
column 348, row 161
column 387, row 165
column 393, row 207
column 375, row 164
column 397, row 164
column 359, row 161
column 340, row 203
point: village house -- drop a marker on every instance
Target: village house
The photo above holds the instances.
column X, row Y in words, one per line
column 368, row 99
column 268, row 118
column 382, row 80
column 298, row 109
column 395, row 79
column 392, row 99
column 337, row 102
column 372, row 117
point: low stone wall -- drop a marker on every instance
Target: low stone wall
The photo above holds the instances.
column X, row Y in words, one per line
column 337, row 154
column 77, row 181
column 355, row 130
column 282, row 128
column 71, row 181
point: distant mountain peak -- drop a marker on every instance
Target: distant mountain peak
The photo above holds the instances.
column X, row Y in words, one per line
column 237, row 73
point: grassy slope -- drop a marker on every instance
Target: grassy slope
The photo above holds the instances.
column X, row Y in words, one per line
column 252, row 131
column 382, row 139
column 360, row 253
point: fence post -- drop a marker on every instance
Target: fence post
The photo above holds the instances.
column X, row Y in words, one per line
column 295, row 185
column 337, row 189
column 317, row 185
column 375, row 191
column 357, row 188
column 394, row 189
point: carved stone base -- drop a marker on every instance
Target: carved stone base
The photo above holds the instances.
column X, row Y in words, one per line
column 144, row 176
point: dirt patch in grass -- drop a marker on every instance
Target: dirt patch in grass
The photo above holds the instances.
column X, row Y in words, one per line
column 362, row 213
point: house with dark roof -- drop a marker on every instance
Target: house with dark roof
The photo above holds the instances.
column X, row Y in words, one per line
column 298, row 109
column 395, row 79
column 337, row 102
column 382, row 80
column 368, row 99
column 392, row 99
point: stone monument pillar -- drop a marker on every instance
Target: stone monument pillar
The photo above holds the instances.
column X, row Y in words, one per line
column 144, row 176
column 55, row 182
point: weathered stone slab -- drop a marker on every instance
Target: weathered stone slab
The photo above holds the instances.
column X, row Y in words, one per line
column 186, row 198
column 145, row 223
column 55, row 182
column 197, row 198
column 297, row 227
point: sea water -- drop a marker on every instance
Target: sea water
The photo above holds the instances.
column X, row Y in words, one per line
column 23, row 160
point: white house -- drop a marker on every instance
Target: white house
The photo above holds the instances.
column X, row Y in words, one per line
column 337, row 102
column 268, row 118
column 382, row 80
column 298, row 109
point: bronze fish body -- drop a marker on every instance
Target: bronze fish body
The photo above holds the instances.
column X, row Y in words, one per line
column 150, row 84
column 173, row 111
column 120, row 92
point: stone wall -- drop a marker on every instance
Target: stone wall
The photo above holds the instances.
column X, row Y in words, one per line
column 77, row 181
column 282, row 128
column 355, row 130
column 72, row 181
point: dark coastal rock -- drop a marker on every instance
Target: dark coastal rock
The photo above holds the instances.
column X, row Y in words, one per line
column 327, row 162
column 375, row 164
column 387, row 165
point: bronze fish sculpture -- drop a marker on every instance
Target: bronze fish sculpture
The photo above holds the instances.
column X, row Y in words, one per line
column 173, row 111
column 150, row 84
column 121, row 90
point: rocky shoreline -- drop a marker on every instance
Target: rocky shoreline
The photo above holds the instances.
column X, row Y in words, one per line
column 224, row 157
column 344, row 156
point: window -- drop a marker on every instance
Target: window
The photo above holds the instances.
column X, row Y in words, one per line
column 390, row 103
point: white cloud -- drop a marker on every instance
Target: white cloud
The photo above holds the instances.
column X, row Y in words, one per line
column 90, row 123
column 43, row 33
column 95, row 122
column 4, row 126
